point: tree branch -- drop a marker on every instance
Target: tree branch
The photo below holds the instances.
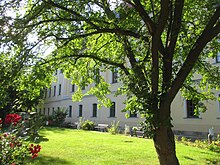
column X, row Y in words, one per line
column 99, row 31
column 72, row 12
column 208, row 34
column 142, row 12
column 175, row 24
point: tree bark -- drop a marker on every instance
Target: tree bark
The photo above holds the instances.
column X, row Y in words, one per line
column 164, row 141
column 165, row 146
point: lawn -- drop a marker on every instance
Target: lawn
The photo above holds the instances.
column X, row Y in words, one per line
column 77, row 147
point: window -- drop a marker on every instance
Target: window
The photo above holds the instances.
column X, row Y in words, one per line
column 70, row 111
column 45, row 94
column 53, row 112
column 96, row 76
column 80, row 110
column 190, row 109
column 73, row 88
column 40, row 111
column 44, row 111
column 218, row 58
column 115, row 75
column 59, row 89
column 54, row 91
column 132, row 114
column 94, row 110
column 50, row 92
column 218, row 106
column 55, row 72
column 112, row 110
column 48, row 112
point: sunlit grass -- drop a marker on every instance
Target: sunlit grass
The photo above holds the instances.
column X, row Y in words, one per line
column 70, row 147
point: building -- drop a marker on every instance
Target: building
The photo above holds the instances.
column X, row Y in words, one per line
column 184, row 121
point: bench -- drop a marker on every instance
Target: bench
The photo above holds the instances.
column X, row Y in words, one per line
column 137, row 131
column 102, row 127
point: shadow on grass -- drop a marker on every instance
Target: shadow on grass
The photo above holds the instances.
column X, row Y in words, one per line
column 186, row 157
column 46, row 160
column 41, row 139
column 56, row 129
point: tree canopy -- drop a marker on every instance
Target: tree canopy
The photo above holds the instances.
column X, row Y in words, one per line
column 157, row 47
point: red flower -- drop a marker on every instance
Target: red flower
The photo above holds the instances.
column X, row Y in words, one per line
column 13, row 164
column 12, row 145
column 12, row 118
column 0, row 121
column 34, row 150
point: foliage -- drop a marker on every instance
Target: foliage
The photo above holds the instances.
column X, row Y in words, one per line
column 156, row 46
column 204, row 144
column 33, row 123
column 14, row 148
column 114, row 128
column 87, row 125
column 59, row 116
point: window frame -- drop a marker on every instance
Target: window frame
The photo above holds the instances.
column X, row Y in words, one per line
column 60, row 90
column 73, row 88
column 49, row 92
column 70, row 111
column 48, row 111
column 112, row 110
column 132, row 114
column 80, row 110
column 114, row 75
column 217, row 59
column 94, row 110
column 54, row 90
column 190, row 110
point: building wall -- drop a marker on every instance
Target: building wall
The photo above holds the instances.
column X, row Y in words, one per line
column 209, row 119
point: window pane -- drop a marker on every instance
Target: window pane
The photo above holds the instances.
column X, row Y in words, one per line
column 59, row 89
column 115, row 75
column 112, row 110
column 133, row 114
column 54, row 91
column 94, row 112
column 190, row 109
column 70, row 111
column 218, row 58
column 80, row 110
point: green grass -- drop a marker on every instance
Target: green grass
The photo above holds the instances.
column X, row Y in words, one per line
column 76, row 147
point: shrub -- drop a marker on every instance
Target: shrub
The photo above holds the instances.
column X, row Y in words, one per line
column 14, row 148
column 214, row 146
column 88, row 125
column 59, row 116
column 33, row 123
column 114, row 129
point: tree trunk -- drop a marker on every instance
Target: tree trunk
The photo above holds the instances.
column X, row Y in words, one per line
column 165, row 146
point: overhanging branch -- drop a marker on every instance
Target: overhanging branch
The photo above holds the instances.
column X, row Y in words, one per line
column 211, row 30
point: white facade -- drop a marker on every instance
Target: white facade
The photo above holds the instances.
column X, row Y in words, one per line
column 61, row 96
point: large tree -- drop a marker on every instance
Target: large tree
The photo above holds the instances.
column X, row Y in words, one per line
column 155, row 45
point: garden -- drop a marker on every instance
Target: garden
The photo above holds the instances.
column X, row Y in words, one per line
column 23, row 142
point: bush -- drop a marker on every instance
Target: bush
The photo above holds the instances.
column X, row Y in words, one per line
column 33, row 124
column 59, row 116
column 114, row 129
column 88, row 125
column 214, row 146
column 14, row 148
